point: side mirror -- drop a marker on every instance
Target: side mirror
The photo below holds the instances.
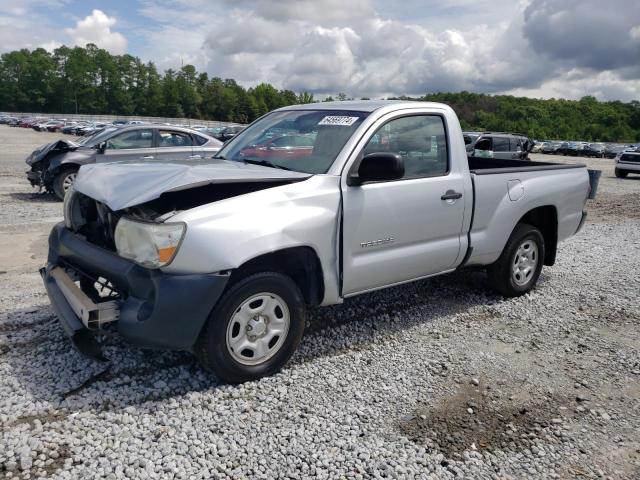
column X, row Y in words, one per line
column 377, row 167
column 101, row 147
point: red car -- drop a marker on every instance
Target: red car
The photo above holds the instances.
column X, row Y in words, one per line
column 286, row 146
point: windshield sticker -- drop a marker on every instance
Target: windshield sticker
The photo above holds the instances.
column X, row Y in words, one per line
column 338, row 121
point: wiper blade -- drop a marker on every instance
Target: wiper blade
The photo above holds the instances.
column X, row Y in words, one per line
column 219, row 157
column 265, row 163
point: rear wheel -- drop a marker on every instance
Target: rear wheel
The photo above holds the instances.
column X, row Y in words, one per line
column 254, row 329
column 517, row 269
column 621, row 173
column 63, row 181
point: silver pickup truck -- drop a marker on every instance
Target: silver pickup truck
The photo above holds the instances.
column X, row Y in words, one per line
column 309, row 205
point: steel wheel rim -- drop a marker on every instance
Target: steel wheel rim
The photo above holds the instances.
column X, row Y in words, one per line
column 525, row 262
column 68, row 181
column 258, row 328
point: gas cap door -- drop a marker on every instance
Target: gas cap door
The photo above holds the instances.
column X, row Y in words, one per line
column 516, row 190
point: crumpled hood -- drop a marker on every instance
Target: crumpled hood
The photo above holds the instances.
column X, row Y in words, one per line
column 58, row 145
column 125, row 184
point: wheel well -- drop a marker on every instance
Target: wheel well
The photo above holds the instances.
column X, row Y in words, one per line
column 300, row 263
column 545, row 219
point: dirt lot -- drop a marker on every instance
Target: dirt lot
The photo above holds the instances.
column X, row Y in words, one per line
column 436, row 379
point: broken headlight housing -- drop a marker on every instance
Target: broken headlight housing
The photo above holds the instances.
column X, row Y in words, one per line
column 151, row 245
column 73, row 217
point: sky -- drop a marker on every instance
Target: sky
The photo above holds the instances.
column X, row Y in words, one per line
column 364, row 48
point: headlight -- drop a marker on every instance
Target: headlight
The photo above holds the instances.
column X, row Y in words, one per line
column 152, row 245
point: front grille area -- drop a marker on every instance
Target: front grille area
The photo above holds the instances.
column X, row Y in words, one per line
column 98, row 223
column 97, row 288
column 630, row 157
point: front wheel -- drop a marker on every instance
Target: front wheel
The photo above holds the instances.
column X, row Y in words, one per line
column 517, row 269
column 254, row 329
column 63, row 182
column 621, row 173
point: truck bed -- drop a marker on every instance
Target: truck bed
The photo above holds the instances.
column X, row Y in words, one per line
column 488, row 166
column 505, row 190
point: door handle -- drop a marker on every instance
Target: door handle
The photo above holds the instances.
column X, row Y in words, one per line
column 195, row 156
column 148, row 157
column 451, row 195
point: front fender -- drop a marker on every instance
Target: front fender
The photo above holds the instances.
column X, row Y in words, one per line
column 77, row 158
column 226, row 234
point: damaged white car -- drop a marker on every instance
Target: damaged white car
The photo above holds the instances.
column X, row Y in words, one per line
column 309, row 205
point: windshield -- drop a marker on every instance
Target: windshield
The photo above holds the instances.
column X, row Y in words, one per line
column 301, row 140
column 99, row 136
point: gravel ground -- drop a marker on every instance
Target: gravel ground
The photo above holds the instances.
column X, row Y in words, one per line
column 436, row 379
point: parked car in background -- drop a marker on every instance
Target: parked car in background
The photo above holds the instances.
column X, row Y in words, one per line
column 228, row 133
column 289, row 146
column 91, row 128
column 537, row 147
column 572, row 149
column 504, row 146
column 29, row 122
column 612, row 150
column 73, row 127
column 549, row 147
column 7, row 119
column 54, row 166
column 211, row 131
column 44, row 126
column 119, row 122
column 628, row 161
column 594, row 150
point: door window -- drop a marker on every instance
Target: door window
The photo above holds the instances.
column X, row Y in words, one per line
column 500, row 144
column 133, row 139
column 198, row 140
column 170, row 138
column 419, row 139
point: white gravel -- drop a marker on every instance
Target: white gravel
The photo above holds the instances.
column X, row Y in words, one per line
column 436, row 379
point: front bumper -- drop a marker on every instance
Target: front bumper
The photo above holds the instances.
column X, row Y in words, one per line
column 35, row 178
column 628, row 166
column 156, row 309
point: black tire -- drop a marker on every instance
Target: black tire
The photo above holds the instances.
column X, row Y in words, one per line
column 501, row 273
column 212, row 349
column 60, row 185
column 621, row 173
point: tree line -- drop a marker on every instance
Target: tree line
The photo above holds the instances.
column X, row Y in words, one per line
column 90, row 80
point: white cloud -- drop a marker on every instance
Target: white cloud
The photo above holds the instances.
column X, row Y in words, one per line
column 371, row 48
column 96, row 28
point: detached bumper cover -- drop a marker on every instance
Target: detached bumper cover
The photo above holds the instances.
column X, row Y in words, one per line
column 158, row 310
column 35, row 178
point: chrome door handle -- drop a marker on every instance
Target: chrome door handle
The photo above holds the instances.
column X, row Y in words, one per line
column 451, row 195
column 195, row 156
column 148, row 157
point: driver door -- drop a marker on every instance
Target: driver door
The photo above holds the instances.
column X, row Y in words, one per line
column 401, row 230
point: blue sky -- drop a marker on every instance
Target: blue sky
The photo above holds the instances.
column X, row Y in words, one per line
column 540, row 48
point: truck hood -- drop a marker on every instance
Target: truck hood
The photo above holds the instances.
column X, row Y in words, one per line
column 57, row 146
column 126, row 184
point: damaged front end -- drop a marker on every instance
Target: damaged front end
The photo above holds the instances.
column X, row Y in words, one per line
column 94, row 284
column 39, row 161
